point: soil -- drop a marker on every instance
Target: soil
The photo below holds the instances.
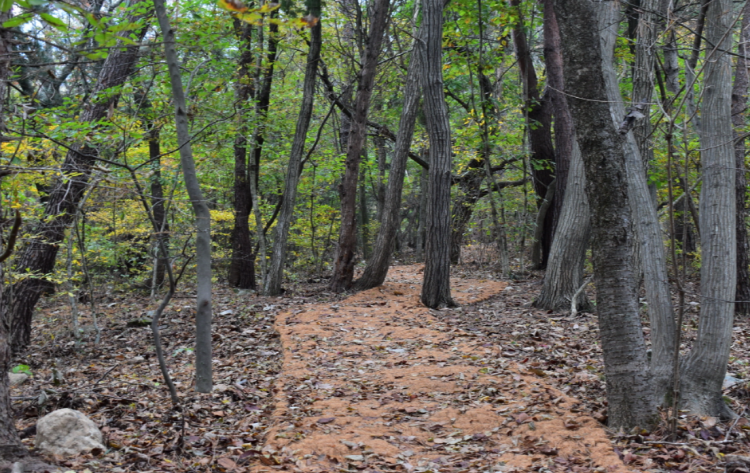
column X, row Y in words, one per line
column 373, row 382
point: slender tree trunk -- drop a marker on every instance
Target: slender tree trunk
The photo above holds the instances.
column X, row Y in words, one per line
column 468, row 194
column 539, row 114
column 39, row 254
column 203, row 360
column 343, row 270
column 242, row 265
column 11, row 447
column 436, row 289
column 565, row 268
column 704, row 369
column 272, row 286
column 650, row 245
column 563, row 123
column 626, row 367
column 377, row 267
column 739, row 105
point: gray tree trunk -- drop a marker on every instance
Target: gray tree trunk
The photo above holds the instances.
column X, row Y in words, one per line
column 565, row 267
column 626, row 368
column 650, row 244
column 203, row 358
column 272, row 287
column 436, row 288
column 377, row 267
column 739, row 106
column 343, row 270
column 704, row 369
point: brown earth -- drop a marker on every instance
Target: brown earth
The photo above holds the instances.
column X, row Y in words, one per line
column 376, row 382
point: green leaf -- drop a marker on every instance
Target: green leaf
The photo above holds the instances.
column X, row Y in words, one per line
column 21, row 369
column 55, row 22
column 5, row 5
column 17, row 21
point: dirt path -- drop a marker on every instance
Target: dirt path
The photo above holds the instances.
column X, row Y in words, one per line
column 376, row 383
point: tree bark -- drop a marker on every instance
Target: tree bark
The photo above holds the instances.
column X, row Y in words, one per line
column 704, row 369
column 468, row 194
column 436, row 291
column 628, row 382
column 539, row 110
column 650, row 244
column 343, row 270
column 565, row 268
column 242, row 265
column 377, row 267
column 739, row 105
column 272, row 286
column 203, row 359
column 39, row 254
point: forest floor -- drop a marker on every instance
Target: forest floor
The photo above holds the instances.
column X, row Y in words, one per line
column 373, row 382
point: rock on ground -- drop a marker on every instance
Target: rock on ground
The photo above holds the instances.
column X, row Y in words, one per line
column 66, row 432
column 17, row 378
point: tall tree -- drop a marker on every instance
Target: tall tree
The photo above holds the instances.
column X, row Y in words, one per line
column 436, row 289
column 203, row 358
column 272, row 285
column 739, row 106
column 39, row 254
column 343, row 270
column 377, row 266
column 626, row 368
column 704, row 369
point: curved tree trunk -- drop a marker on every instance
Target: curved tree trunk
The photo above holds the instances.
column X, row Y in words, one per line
column 39, row 255
column 377, row 267
column 436, row 288
column 203, row 357
column 343, row 270
column 626, row 368
column 565, row 268
column 272, row 287
column 739, row 105
column 650, row 244
column 704, row 369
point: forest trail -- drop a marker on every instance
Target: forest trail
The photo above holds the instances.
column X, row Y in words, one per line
column 376, row 383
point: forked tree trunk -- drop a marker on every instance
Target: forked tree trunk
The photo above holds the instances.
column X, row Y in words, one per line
column 704, row 369
column 650, row 245
column 343, row 270
column 739, row 105
column 39, row 254
column 565, row 268
column 377, row 267
column 272, row 286
column 436, row 289
column 625, row 364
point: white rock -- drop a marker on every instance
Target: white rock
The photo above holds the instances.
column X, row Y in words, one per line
column 17, row 378
column 66, row 432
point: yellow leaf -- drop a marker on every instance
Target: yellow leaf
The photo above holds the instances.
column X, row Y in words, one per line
column 232, row 5
column 252, row 18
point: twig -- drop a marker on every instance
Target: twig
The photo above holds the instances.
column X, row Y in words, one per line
column 105, row 374
column 726, row 436
column 573, row 305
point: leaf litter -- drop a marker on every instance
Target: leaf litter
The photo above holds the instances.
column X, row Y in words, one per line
column 374, row 382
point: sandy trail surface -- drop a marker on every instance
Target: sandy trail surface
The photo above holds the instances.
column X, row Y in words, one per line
column 376, row 383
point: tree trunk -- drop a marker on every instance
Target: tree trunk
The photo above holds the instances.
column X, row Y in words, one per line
column 272, row 287
column 343, row 270
column 563, row 122
column 203, row 359
column 242, row 265
column 436, row 289
column 377, row 267
column 739, row 104
column 11, row 447
column 539, row 114
column 625, row 364
column 39, row 254
column 468, row 194
column 650, row 244
column 565, row 268
column 704, row 369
